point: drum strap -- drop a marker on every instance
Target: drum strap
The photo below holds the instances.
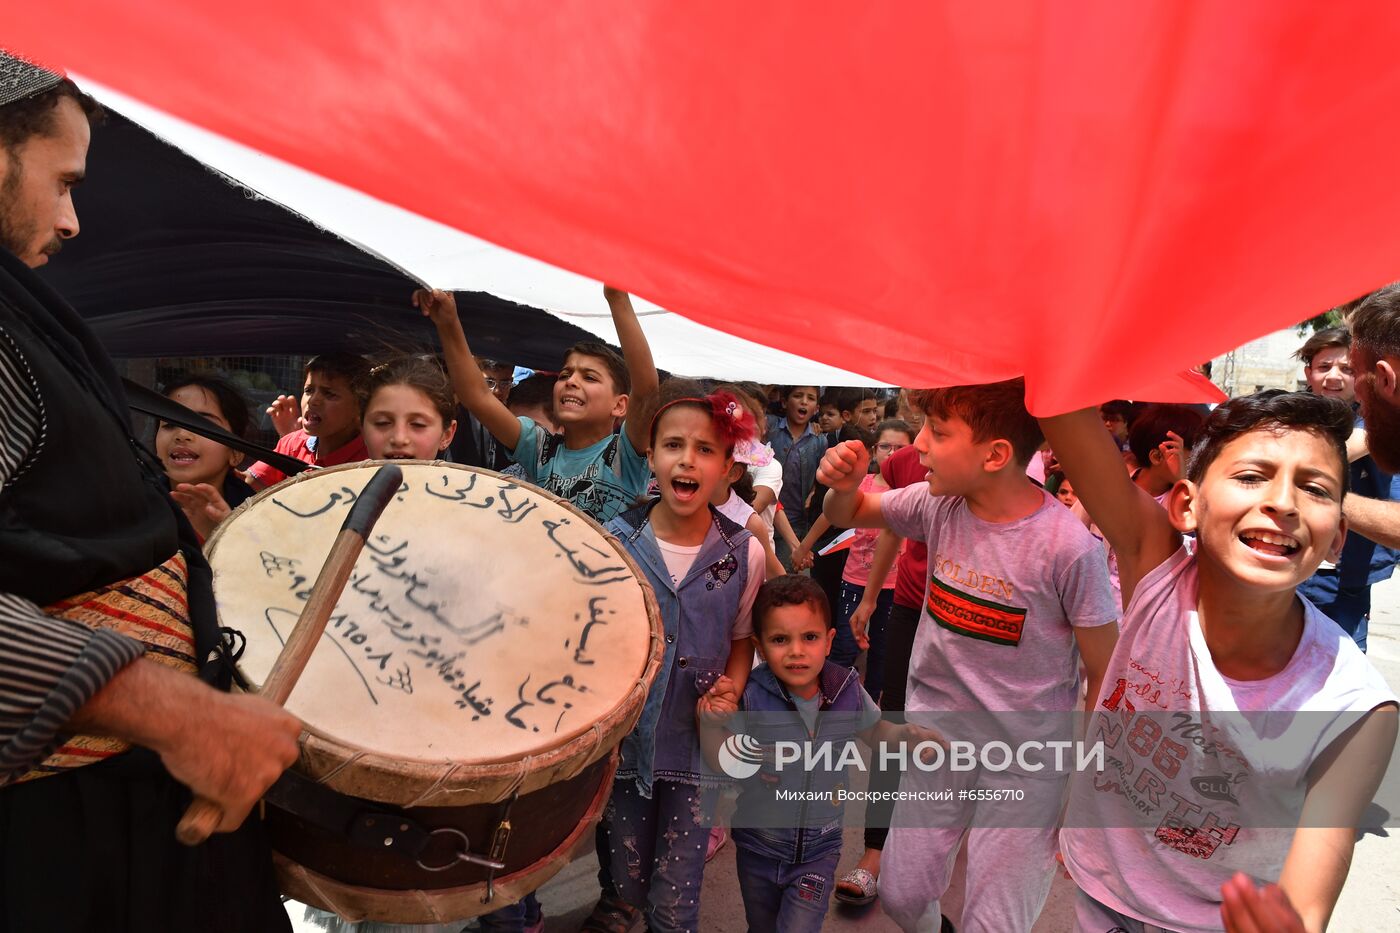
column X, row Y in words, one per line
column 370, row 825
column 362, row 822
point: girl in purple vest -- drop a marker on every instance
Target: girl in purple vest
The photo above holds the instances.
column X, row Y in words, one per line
column 705, row 570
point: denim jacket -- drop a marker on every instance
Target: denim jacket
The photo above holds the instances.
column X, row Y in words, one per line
column 813, row 828
column 698, row 616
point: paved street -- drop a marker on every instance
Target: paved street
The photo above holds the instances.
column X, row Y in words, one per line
column 1370, row 901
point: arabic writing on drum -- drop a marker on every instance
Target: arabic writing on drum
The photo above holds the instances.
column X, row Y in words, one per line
column 401, row 622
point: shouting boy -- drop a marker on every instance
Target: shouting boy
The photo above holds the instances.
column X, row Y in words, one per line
column 1017, row 592
column 598, row 470
column 1230, row 705
column 331, row 402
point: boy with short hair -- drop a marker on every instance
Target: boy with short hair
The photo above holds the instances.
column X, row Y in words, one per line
column 799, row 448
column 331, row 401
column 1117, row 414
column 1213, row 633
column 786, row 871
column 1159, row 438
column 599, row 471
column 473, row 445
column 1343, row 590
column 829, row 419
column 1017, row 592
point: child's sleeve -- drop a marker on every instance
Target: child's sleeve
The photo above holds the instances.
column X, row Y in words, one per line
column 743, row 622
column 266, row 473
column 636, row 473
column 908, row 512
column 1086, row 596
column 527, row 449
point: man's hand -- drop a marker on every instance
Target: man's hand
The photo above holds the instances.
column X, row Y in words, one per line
column 202, row 504
column 238, row 752
column 227, row 748
column 285, row 414
column 1251, row 908
column 844, row 466
column 438, row 306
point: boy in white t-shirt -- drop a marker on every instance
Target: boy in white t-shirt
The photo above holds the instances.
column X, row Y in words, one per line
column 1017, row 592
column 1245, row 732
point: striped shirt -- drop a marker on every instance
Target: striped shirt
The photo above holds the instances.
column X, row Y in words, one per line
column 48, row 667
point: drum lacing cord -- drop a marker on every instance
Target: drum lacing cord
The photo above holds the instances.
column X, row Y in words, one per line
column 330, row 775
column 499, row 839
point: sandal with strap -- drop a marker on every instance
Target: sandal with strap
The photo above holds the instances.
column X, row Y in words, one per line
column 856, row 880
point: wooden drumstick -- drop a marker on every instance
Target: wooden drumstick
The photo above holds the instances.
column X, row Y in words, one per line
column 204, row 815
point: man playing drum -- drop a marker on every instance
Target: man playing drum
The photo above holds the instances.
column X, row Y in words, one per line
column 106, row 611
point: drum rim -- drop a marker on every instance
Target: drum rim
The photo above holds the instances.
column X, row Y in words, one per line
column 522, row 774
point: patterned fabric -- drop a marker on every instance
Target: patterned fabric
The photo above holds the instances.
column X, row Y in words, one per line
column 19, row 79
column 152, row 609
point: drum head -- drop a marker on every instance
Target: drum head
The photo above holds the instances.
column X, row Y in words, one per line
column 486, row 621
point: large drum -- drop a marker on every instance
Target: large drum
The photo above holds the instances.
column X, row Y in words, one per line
column 466, row 702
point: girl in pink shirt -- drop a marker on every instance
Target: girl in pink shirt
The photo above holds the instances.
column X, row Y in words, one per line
column 889, row 437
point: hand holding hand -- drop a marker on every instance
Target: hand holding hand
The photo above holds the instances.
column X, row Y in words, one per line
column 801, row 558
column 1251, row 908
column 914, row 734
column 844, row 466
column 717, row 703
column 285, row 414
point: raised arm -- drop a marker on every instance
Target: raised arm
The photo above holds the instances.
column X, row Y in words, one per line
column 1376, row 519
column 641, row 370
column 468, row 381
column 845, row 506
column 1131, row 520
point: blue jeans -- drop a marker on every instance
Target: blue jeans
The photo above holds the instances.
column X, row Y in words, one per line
column 844, row 649
column 784, row 896
column 1348, row 606
column 657, row 850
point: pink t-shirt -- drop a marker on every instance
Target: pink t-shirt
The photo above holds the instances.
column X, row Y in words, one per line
column 1000, row 604
column 1204, row 776
column 294, row 444
column 862, row 550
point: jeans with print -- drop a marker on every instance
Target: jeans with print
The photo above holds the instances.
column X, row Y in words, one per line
column 786, row 896
column 657, row 849
column 844, row 649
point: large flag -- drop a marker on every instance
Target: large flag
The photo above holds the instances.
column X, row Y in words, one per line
column 1094, row 194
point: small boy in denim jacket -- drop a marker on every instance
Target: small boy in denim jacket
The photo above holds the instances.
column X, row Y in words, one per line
column 786, row 852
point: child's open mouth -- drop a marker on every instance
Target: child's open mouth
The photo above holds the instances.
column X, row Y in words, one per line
column 399, row 455
column 182, row 455
column 684, row 488
column 1265, row 542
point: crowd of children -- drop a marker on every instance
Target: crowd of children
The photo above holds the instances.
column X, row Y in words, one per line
column 1137, row 562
